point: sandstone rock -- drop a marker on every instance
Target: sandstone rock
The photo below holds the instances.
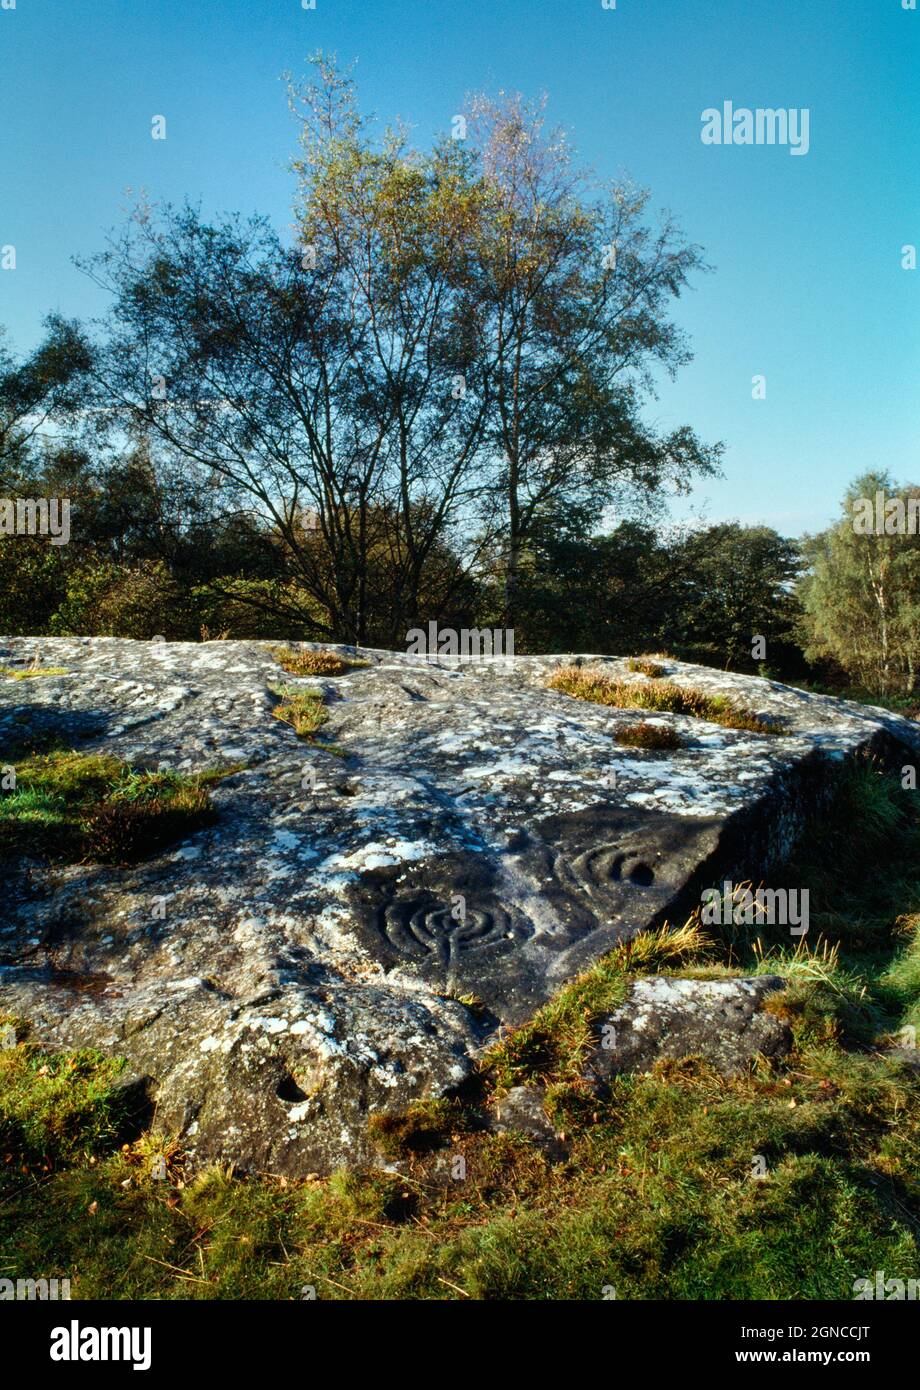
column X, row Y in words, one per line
column 722, row 1021
column 301, row 963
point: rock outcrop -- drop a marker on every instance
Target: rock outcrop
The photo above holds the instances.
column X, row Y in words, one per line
column 723, row 1021
column 310, row 958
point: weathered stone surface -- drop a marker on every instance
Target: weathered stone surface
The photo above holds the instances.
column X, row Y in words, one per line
column 521, row 1110
column 722, row 1021
column 317, row 942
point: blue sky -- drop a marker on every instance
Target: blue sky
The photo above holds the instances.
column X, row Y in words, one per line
column 807, row 289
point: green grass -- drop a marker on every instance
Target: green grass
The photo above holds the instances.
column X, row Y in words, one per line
column 306, row 713
column 304, row 710
column 29, row 673
column 71, row 807
column 56, row 1109
column 656, row 1197
column 662, row 695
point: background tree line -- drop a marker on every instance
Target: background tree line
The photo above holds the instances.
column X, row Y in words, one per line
column 421, row 408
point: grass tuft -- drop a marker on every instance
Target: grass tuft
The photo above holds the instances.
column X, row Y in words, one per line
column 550, row 1047
column 313, row 663
column 661, row 695
column 28, row 673
column 646, row 735
column 643, row 666
column 302, row 709
column 420, row 1129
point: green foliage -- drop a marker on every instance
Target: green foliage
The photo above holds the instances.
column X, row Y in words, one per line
column 861, row 596
column 52, row 383
column 701, row 595
column 57, row 1108
column 70, row 807
column 900, row 983
column 111, row 600
column 235, row 607
column 32, row 584
column 733, row 583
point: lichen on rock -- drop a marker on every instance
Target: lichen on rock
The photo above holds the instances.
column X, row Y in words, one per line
column 460, row 830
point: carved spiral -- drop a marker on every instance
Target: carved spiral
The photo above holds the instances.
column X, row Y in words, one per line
column 602, row 866
column 420, row 930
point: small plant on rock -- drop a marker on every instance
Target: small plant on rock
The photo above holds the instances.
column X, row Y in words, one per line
column 644, row 667
column 664, row 695
column 28, row 673
column 646, row 735
column 302, row 709
column 314, row 663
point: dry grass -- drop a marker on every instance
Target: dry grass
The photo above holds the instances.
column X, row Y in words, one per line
column 124, row 832
column 586, row 684
column 648, row 736
column 302, row 709
column 313, row 663
column 662, row 947
column 643, row 666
